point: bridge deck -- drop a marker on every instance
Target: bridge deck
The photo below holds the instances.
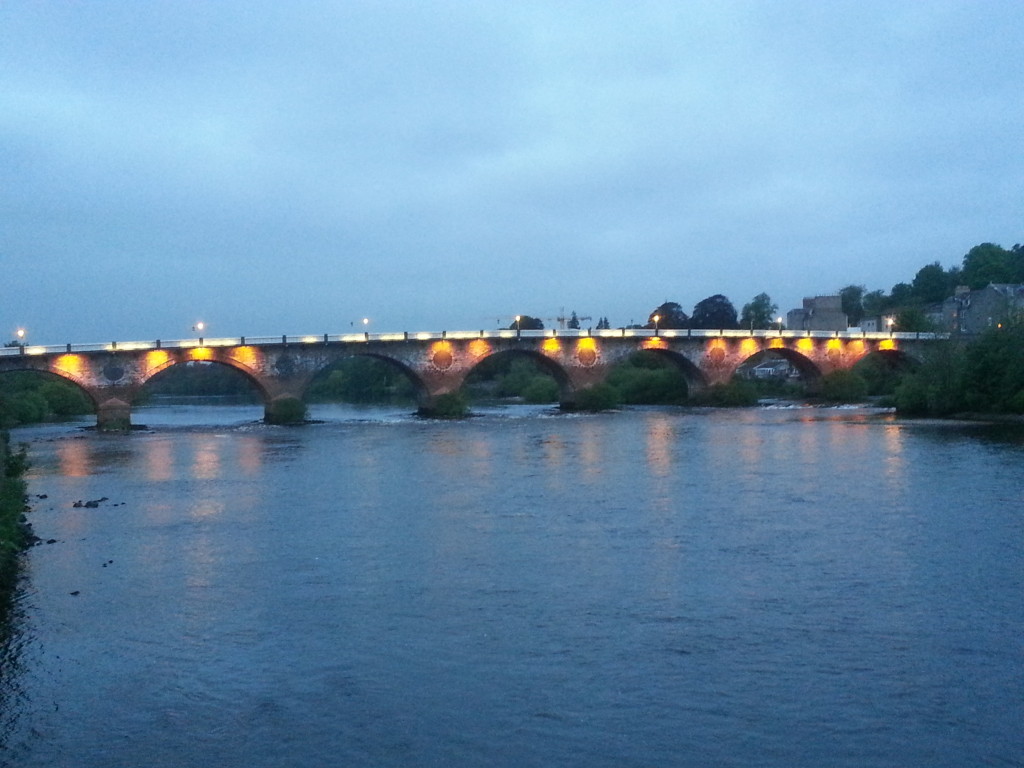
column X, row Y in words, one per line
column 357, row 338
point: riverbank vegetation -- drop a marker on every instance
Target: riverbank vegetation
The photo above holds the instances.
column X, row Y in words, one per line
column 30, row 398
column 985, row 376
column 14, row 531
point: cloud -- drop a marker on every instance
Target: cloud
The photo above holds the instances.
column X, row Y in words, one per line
column 283, row 167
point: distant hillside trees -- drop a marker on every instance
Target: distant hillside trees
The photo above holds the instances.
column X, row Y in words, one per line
column 983, row 264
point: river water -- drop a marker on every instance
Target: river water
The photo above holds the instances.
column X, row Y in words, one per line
column 655, row 587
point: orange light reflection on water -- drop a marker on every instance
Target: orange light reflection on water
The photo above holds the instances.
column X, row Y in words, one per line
column 660, row 438
column 206, row 462
column 75, row 458
column 159, row 458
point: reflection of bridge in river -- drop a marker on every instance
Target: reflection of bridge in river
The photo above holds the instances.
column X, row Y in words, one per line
column 281, row 367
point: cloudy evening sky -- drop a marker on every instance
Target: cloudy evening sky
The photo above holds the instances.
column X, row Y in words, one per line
column 291, row 167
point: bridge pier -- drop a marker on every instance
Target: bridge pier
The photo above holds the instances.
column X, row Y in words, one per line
column 114, row 415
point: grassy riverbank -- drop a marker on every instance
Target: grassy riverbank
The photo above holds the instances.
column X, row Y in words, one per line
column 14, row 531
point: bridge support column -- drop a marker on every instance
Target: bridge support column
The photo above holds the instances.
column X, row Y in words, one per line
column 114, row 416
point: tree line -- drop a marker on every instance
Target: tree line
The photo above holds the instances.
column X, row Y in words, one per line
column 905, row 302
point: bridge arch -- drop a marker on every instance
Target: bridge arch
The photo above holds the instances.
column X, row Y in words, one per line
column 421, row 393
column 882, row 370
column 566, row 388
column 695, row 378
column 157, row 372
column 809, row 371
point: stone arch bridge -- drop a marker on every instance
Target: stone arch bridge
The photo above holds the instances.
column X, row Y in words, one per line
column 437, row 363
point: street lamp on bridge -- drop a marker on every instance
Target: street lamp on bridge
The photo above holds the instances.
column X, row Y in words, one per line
column 656, row 319
column 199, row 328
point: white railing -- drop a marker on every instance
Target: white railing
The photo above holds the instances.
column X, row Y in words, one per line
column 364, row 338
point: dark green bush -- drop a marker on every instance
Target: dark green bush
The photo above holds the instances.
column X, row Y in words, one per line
column 600, row 397
column 735, row 394
column 647, row 386
column 843, row 387
column 448, row 406
column 541, row 389
column 286, row 410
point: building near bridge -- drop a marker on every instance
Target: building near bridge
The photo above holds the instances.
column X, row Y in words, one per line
column 973, row 312
column 819, row 313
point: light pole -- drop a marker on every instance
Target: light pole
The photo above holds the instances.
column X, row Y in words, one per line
column 21, row 338
column 779, row 321
column 199, row 328
column 656, row 319
column 518, row 328
column 366, row 333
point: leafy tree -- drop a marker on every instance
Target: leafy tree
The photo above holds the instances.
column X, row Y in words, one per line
column 852, row 301
column 932, row 284
column 714, row 312
column 875, row 303
column 901, row 295
column 527, row 323
column 759, row 313
column 990, row 263
column 936, row 387
column 985, row 376
column 670, row 315
column 994, row 371
column 843, row 387
column 912, row 319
